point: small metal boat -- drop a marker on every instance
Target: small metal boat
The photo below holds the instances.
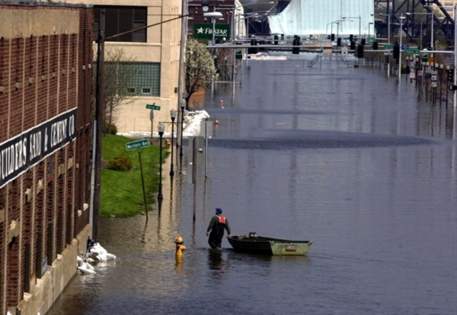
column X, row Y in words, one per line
column 260, row 245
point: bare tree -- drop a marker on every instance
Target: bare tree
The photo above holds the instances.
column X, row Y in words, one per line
column 200, row 69
column 117, row 80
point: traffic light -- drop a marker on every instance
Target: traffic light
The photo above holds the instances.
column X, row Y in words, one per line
column 375, row 45
column 332, row 37
column 253, row 50
column 396, row 51
column 338, row 42
column 360, row 51
column 296, row 43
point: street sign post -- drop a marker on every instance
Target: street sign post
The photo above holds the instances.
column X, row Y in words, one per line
column 138, row 145
column 152, row 108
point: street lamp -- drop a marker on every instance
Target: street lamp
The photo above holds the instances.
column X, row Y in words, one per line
column 173, row 114
column 432, row 23
column 161, row 131
column 402, row 17
column 213, row 15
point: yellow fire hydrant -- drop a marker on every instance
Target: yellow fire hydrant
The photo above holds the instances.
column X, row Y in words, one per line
column 180, row 248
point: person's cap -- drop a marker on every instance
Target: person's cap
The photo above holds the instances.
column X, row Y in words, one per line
column 218, row 210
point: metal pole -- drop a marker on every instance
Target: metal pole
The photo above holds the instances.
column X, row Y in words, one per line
column 99, row 116
column 151, row 117
column 360, row 27
column 422, row 36
column 142, row 185
column 182, row 61
column 455, row 75
column 172, row 169
column 160, row 195
column 389, row 39
column 214, row 30
column 337, row 30
column 388, row 29
column 401, row 44
column 206, row 146
column 182, row 130
column 432, row 35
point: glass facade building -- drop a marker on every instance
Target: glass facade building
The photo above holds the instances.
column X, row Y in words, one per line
column 311, row 17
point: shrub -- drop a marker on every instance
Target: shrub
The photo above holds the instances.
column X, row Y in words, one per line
column 110, row 129
column 120, row 163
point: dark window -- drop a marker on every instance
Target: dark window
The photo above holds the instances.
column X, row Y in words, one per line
column 120, row 19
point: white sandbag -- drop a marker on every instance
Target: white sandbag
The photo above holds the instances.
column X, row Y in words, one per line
column 110, row 256
column 90, row 260
column 86, row 270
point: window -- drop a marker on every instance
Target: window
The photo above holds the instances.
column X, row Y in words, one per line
column 120, row 19
column 138, row 78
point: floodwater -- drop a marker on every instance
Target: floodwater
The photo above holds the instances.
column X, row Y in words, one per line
column 309, row 149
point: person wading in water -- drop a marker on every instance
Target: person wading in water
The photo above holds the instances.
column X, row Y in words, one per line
column 216, row 229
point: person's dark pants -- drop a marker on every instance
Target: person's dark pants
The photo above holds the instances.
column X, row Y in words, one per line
column 215, row 239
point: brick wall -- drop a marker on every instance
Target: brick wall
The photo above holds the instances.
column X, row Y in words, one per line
column 42, row 76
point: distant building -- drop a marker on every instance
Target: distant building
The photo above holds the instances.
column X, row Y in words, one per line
column 304, row 17
column 152, row 54
column 46, row 114
column 197, row 20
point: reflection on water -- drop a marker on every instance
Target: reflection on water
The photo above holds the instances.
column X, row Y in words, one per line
column 335, row 155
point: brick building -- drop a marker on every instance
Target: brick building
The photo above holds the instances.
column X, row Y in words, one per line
column 46, row 107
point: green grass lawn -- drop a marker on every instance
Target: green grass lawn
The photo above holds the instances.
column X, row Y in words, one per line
column 122, row 194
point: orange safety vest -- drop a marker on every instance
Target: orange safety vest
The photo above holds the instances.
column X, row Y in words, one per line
column 221, row 219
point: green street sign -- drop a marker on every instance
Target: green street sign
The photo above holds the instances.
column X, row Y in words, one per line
column 412, row 51
column 137, row 144
column 152, row 106
column 205, row 31
column 388, row 46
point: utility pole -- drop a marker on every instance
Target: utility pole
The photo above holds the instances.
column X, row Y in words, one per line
column 99, row 117
column 401, row 44
column 182, row 74
column 455, row 74
column 389, row 40
column 432, row 35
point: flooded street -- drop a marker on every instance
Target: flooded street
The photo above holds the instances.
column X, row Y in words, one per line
column 311, row 149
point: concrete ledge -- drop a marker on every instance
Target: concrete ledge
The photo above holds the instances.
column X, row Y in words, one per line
column 48, row 288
